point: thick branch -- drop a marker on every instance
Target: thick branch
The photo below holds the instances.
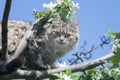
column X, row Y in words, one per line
column 5, row 30
column 75, row 68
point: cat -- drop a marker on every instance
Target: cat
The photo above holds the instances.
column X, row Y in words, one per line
column 57, row 39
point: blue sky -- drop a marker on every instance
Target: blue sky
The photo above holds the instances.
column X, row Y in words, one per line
column 96, row 17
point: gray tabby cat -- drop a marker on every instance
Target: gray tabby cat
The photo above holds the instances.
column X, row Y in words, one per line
column 57, row 39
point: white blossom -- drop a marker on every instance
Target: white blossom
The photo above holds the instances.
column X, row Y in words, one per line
column 61, row 64
column 65, row 77
column 76, row 5
column 35, row 11
column 116, row 44
column 45, row 5
column 50, row 5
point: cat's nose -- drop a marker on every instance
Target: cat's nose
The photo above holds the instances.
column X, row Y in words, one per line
column 62, row 38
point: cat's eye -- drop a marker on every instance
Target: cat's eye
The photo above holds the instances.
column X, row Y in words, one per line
column 57, row 33
column 67, row 35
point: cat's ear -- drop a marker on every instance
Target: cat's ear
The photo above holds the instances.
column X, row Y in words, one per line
column 57, row 21
column 58, row 17
column 76, row 22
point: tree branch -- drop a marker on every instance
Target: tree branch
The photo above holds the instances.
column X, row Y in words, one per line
column 5, row 30
column 75, row 68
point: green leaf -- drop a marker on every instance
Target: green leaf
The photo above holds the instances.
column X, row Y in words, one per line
column 68, row 71
column 114, row 61
column 117, row 49
column 75, row 76
column 56, row 75
column 116, row 35
column 39, row 14
column 91, row 72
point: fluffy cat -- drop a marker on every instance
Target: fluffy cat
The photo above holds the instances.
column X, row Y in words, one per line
column 57, row 39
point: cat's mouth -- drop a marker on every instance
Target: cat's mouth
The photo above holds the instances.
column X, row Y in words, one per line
column 62, row 43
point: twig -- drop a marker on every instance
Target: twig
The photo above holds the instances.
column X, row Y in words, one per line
column 87, row 54
column 5, row 30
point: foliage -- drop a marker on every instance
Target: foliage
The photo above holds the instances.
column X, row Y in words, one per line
column 104, row 73
column 99, row 73
column 65, row 8
column 109, row 71
column 115, row 36
column 116, row 43
column 68, row 75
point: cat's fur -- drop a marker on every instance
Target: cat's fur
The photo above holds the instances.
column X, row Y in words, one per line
column 55, row 42
column 16, row 31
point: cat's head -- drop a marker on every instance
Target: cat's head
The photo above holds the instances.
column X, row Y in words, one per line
column 63, row 36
